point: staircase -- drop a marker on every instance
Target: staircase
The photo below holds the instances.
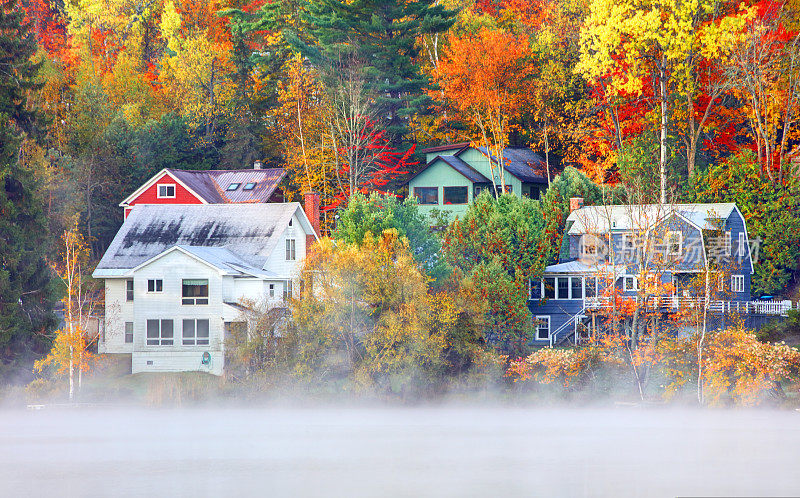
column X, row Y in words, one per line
column 555, row 340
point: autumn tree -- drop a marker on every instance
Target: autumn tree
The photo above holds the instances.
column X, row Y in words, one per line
column 629, row 44
column 70, row 354
column 483, row 77
column 370, row 311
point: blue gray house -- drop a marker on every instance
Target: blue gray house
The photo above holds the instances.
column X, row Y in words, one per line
column 663, row 244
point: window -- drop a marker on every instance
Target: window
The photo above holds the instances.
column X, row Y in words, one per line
column 591, row 286
column 549, row 288
column 726, row 242
column 478, row 189
column 291, row 221
column 742, row 252
column 233, row 186
column 542, row 328
column 456, row 195
column 737, row 283
column 290, row 246
column 509, row 190
column 166, row 191
column 195, row 291
column 159, row 333
column 630, row 283
column 249, row 186
column 535, row 289
column 195, row 332
column 271, row 290
column 720, row 283
column 287, row 290
column 155, row 285
column 563, row 288
column 129, row 290
column 427, row 195
column 576, row 287
column 674, row 243
column 128, row 332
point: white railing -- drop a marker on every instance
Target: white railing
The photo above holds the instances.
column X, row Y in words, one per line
column 554, row 335
column 667, row 303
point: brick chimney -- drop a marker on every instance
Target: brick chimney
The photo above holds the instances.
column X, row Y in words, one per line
column 575, row 203
column 311, row 207
column 257, row 165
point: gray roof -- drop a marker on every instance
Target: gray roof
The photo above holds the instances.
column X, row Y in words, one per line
column 601, row 219
column 576, row 266
column 247, row 232
column 465, row 169
column 225, row 261
column 523, row 163
column 212, row 185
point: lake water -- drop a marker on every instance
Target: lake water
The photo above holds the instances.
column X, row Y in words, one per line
column 387, row 452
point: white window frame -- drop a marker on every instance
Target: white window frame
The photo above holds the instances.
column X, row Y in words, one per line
column 668, row 244
column 166, row 196
column 726, row 242
column 195, row 300
column 737, row 283
column 742, row 246
column 291, row 250
column 539, row 320
column 287, row 290
column 570, row 288
column 128, row 334
column 156, row 289
column 129, row 290
column 585, row 286
column 635, row 281
column 194, row 339
column 160, row 340
column 271, row 290
column 720, row 282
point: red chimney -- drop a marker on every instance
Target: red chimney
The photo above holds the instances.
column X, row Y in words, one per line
column 311, row 207
column 575, row 203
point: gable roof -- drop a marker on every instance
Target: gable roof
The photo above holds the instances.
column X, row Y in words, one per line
column 219, row 258
column 523, row 163
column 601, row 219
column 249, row 232
column 211, row 185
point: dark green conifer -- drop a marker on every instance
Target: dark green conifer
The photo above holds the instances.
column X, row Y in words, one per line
column 26, row 287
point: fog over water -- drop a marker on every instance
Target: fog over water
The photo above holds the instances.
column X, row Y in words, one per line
column 452, row 451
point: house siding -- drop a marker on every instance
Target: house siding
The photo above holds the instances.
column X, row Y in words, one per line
column 150, row 195
column 439, row 175
column 172, row 269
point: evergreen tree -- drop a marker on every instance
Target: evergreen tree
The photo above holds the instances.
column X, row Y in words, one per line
column 382, row 36
column 26, row 289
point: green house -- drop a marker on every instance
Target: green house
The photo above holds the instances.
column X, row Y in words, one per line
column 455, row 174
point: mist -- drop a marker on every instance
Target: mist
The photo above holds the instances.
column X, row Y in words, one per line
column 381, row 451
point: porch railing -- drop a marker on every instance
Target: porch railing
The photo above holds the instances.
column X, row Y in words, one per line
column 674, row 303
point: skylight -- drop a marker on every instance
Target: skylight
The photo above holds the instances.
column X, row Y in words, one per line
column 250, row 186
column 233, row 186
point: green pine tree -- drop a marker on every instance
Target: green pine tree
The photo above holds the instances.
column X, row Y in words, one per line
column 383, row 36
column 26, row 288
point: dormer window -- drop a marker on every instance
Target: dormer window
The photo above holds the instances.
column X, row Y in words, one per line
column 249, row 186
column 166, row 191
column 233, row 186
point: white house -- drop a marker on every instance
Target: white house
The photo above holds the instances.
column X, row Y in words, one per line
column 174, row 275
